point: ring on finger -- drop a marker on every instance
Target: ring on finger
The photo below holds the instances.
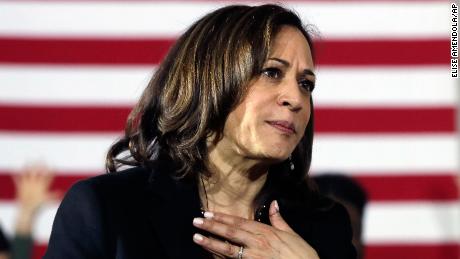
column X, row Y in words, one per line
column 240, row 252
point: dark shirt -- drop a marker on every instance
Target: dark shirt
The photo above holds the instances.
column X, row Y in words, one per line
column 4, row 244
column 19, row 248
column 138, row 213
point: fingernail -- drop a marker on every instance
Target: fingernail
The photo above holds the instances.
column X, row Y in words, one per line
column 276, row 206
column 198, row 237
column 197, row 221
column 208, row 215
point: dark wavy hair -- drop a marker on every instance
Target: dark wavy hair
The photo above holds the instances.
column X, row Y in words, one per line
column 202, row 79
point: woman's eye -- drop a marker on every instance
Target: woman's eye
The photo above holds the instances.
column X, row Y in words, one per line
column 307, row 85
column 272, row 72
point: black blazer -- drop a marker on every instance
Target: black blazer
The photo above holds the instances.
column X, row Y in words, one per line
column 140, row 214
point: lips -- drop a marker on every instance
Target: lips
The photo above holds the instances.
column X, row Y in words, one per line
column 283, row 126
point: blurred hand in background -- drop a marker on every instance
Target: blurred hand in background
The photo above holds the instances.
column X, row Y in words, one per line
column 32, row 191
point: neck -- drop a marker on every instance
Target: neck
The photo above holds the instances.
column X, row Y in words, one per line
column 233, row 185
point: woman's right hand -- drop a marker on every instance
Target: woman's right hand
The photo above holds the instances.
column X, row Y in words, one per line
column 257, row 239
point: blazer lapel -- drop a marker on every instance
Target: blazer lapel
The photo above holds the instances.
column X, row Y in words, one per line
column 173, row 205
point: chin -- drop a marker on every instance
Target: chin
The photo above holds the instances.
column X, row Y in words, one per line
column 273, row 151
column 278, row 154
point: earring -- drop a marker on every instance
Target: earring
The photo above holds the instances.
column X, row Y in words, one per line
column 291, row 164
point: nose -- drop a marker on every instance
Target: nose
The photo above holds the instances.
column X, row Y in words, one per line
column 291, row 96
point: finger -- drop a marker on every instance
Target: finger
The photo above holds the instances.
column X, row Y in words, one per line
column 48, row 178
column 217, row 246
column 250, row 226
column 228, row 232
column 32, row 171
column 214, row 253
column 42, row 173
column 27, row 174
column 54, row 196
column 275, row 218
column 207, row 249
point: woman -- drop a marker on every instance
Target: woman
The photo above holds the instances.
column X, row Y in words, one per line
column 219, row 147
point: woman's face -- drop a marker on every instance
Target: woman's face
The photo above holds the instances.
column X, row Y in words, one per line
column 271, row 119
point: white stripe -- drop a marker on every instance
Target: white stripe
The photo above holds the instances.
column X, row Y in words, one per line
column 63, row 152
column 415, row 222
column 333, row 19
column 385, row 153
column 349, row 153
column 385, row 86
column 64, row 85
column 377, row 86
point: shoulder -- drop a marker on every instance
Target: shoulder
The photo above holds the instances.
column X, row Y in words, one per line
column 84, row 195
column 325, row 225
column 129, row 178
column 91, row 212
column 106, row 193
column 116, row 183
column 331, row 232
column 320, row 209
column 332, row 217
column 334, row 230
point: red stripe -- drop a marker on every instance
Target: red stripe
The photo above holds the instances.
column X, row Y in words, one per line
column 418, row 251
column 433, row 187
column 151, row 51
column 383, row 52
column 400, row 187
column 422, row 251
column 328, row 120
column 83, row 51
column 63, row 119
column 388, row 120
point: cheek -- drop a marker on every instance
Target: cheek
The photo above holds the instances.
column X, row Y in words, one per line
column 306, row 113
column 304, row 118
column 307, row 118
column 247, row 122
column 240, row 123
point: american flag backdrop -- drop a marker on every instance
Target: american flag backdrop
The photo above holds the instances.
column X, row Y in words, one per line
column 385, row 102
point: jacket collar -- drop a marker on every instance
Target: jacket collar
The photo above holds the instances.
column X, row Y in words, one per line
column 173, row 205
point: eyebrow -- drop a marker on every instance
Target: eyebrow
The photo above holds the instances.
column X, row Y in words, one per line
column 287, row 64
